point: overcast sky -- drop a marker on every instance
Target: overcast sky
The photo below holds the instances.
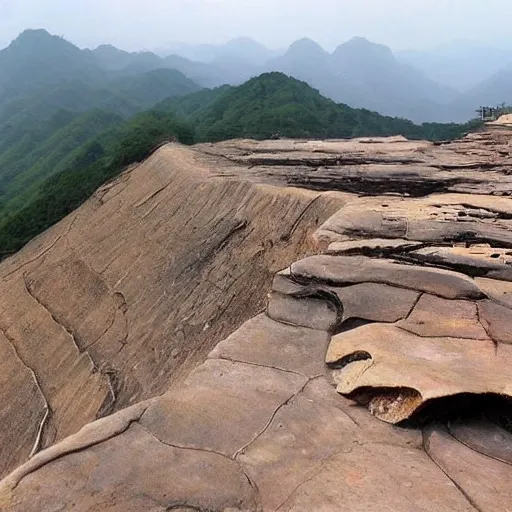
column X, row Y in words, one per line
column 138, row 24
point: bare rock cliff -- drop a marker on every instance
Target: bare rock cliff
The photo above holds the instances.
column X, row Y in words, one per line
column 125, row 296
column 376, row 376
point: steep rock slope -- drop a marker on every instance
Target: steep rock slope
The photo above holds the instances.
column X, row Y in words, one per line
column 124, row 297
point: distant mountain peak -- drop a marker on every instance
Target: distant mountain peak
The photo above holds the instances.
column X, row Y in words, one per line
column 109, row 47
column 306, row 47
column 360, row 47
column 34, row 32
column 306, row 41
column 359, row 40
column 40, row 40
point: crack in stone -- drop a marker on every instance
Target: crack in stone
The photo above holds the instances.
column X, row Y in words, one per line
column 63, row 327
column 271, row 419
column 37, row 443
column 486, row 329
column 313, row 474
column 413, row 307
column 142, row 202
column 202, row 450
column 232, row 360
column 459, row 488
column 321, row 464
column 74, row 341
column 458, row 337
column 449, row 429
column 107, row 328
column 301, row 216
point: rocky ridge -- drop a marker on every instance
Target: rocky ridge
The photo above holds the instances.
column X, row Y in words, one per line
column 378, row 376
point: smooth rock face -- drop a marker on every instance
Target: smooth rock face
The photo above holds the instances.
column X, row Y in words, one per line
column 123, row 298
column 409, row 307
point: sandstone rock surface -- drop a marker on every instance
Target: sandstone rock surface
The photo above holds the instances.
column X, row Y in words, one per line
column 400, row 302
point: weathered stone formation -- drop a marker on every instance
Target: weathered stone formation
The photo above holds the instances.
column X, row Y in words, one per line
column 125, row 296
column 405, row 309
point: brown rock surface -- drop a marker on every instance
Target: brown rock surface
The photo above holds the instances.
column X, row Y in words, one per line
column 436, row 366
column 124, row 297
column 119, row 302
column 436, row 317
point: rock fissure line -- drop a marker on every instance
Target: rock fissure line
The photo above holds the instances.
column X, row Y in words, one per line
column 70, row 335
column 204, row 258
column 233, row 360
column 459, row 488
column 271, row 419
column 302, row 215
column 142, row 202
column 107, row 328
column 318, row 468
column 63, row 327
column 486, row 329
column 459, row 337
column 413, row 307
column 449, row 430
column 37, row 443
column 202, row 450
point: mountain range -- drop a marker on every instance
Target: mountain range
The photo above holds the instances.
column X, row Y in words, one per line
column 67, row 117
column 445, row 83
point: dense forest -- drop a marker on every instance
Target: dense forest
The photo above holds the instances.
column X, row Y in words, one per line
column 79, row 121
column 97, row 161
column 275, row 103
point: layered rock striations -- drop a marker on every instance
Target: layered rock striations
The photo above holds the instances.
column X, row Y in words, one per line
column 375, row 377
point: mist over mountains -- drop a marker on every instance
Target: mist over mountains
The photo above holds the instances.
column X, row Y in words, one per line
column 445, row 83
column 71, row 118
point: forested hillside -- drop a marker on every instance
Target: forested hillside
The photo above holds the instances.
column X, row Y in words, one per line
column 72, row 119
column 274, row 103
column 83, row 171
column 54, row 98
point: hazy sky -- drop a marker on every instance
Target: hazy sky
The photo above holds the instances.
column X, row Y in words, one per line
column 137, row 24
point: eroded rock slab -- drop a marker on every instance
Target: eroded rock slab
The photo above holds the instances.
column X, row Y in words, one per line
column 434, row 317
column 484, row 480
column 350, row 479
column 366, row 301
column 341, row 270
column 405, row 289
column 135, row 471
column 384, row 357
column 240, row 436
column 265, row 342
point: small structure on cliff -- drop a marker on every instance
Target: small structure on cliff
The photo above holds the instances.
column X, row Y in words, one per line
column 487, row 114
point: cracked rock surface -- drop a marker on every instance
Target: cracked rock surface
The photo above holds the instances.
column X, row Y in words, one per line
column 378, row 378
